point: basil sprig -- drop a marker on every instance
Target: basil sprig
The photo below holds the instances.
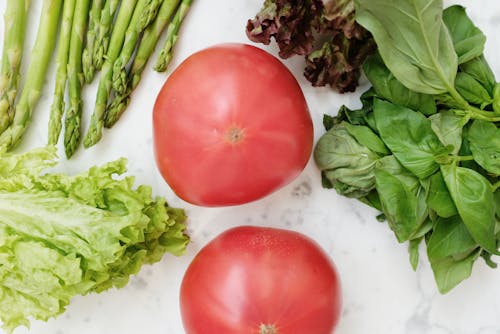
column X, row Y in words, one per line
column 425, row 147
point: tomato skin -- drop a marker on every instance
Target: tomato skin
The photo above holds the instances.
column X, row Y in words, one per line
column 248, row 277
column 230, row 126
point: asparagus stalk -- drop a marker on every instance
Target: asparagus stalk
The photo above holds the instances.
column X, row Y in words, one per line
column 144, row 51
column 37, row 70
column 75, row 70
column 165, row 55
column 14, row 34
column 103, row 32
column 134, row 29
column 150, row 11
column 88, row 52
column 57, row 108
column 125, row 14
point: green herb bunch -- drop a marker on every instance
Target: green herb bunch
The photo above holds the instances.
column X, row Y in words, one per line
column 424, row 148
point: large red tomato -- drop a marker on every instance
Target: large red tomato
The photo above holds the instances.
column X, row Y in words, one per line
column 231, row 125
column 256, row 280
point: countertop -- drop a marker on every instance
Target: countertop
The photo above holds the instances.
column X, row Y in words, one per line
column 381, row 292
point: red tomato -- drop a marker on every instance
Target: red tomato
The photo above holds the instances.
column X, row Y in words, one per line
column 256, row 280
column 231, row 125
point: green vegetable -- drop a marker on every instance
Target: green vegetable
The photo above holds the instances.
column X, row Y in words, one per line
column 15, row 18
column 88, row 53
column 473, row 197
column 58, row 105
column 125, row 13
column 414, row 143
column 480, row 70
column 145, row 48
column 165, row 55
column 484, row 141
column 132, row 34
column 403, row 198
column 346, row 163
column 62, row 236
column 424, row 148
column 72, row 131
column 439, row 198
column 325, row 32
column 104, row 31
column 35, row 77
column 387, row 86
column 413, row 41
column 151, row 9
column 468, row 40
column 448, row 128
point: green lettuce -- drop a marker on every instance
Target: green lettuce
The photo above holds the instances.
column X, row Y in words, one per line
column 62, row 236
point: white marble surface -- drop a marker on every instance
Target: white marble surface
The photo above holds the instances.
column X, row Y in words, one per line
column 381, row 292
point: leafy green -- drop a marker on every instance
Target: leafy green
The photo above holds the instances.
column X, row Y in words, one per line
column 62, row 236
column 439, row 198
column 468, row 40
column 448, row 127
column 389, row 88
column 449, row 272
column 480, row 70
column 402, row 198
column 414, row 144
column 484, row 141
column 450, row 237
column 325, row 32
column 473, row 197
column 346, row 163
column 413, row 41
column 472, row 90
column 434, row 105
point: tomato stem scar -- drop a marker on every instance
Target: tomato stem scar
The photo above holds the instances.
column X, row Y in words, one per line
column 235, row 134
column 267, row 329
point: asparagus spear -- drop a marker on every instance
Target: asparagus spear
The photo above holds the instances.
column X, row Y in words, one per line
column 75, row 68
column 134, row 29
column 150, row 12
column 165, row 55
column 88, row 52
column 103, row 32
column 57, row 108
column 145, row 49
column 14, row 34
column 37, row 69
column 125, row 13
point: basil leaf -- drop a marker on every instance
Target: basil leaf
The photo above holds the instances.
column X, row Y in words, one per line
column 413, row 41
column 389, row 88
column 439, row 198
column 409, row 135
column 448, row 127
column 480, row 70
column 472, row 90
column 450, row 237
column 473, row 197
column 402, row 198
column 466, row 151
column 366, row 137
column 449, row 272
column 468, row 40
column 413, row 250
column 484, row 142
column 346, row 163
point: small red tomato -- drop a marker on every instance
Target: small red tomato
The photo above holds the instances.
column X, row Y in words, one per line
column 259, row 280
column 231, row 125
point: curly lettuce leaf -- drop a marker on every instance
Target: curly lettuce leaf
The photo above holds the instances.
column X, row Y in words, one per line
column 62, row 236
column 325, row 32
